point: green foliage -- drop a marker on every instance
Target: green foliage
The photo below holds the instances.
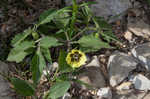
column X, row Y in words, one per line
column 47, row 16
column 19, row 52
column 22, row 87
column 90, row 43
column 47, row 42
column 47, row 54
column 37, row 66
column 72, row 27
column 20, row 37
column 63, row 66
column 59, row 89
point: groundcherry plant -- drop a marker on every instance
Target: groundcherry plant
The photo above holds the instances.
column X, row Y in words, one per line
column 75, row 31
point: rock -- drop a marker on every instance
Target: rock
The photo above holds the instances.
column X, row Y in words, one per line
column 140, row 82
column 142, row 52
column 92, row 75
column 127, row 96
column 147, row 96
column 132, row 95
column 139, row 28
column 104, row 93
column 66, row 96
column 124, row 86
column 119, row 66
column 106, row 8
column 4, row 85
column 94, row 62
column 128, row 36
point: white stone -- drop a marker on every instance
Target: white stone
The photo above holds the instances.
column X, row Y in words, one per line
column 94, row 62
column 104, row 93
column 140, row 82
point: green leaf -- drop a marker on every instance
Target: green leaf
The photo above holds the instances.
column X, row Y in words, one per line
column 16, row 56
column 47, row 16
column 63, row 66
column 37, row 66
column 102, row 23
column 20, row 37
column 19, row 52
column 47, row 54
column 92, row 43
column 47, row 42
column 62, row 19
column 59, row 89
column 107, row 34
column 23, row 87
column 74, row 14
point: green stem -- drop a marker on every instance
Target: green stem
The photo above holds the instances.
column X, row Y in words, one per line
column 68, row 41
column 55, row 74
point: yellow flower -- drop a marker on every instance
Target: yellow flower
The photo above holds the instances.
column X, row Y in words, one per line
column 76, row 58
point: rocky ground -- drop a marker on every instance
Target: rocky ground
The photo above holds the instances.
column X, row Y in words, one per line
column 116, row 74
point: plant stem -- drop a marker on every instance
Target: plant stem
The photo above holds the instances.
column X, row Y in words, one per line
column 68, row 41
column 55, row 74
column 78, row 34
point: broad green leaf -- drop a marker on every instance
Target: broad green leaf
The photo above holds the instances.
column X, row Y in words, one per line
column 35, row 69
column 20, row 37
column 63, row 66
column 47, row 16
column 37, row 66
column 47, row 54
column 24, row 45
column 47, row 42
column 20, row 51
column 23, row 87
column 62, row 19
column 16, row 56
column 58, row 89
column 92, row 43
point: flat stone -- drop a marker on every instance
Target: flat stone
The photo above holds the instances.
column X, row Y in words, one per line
column 119, row 66
column 142, row 52
column 140, row 82
column 92, row 74
column 4, row 85
column 139, row 28
column 130, row 96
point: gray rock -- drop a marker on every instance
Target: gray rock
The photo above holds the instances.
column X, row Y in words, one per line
column 92, row 75
column 66, row 96
column 140, row 82
column 142, row 52
column 119, row 66
column 139, row 28
column 105, row 93
column 4, row 85
column 132, row 95
column 106, row 8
